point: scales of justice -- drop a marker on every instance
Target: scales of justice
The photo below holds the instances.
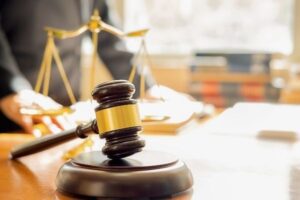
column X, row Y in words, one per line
column 122, row 169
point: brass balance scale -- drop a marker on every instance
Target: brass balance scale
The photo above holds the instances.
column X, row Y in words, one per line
column 95, row 25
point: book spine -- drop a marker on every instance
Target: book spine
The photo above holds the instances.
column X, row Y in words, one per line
column 226, row 94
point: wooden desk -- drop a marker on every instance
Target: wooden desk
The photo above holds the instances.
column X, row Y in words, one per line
column 31, row 177
column 223, row 167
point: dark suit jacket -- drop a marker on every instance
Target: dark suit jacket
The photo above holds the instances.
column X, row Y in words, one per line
column 22, row 42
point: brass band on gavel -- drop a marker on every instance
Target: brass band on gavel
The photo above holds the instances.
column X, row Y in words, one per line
column 118, row 118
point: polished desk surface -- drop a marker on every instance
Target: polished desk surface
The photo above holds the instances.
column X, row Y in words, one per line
column 223, row 167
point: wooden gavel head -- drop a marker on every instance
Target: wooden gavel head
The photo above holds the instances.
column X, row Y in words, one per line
column 118, row 120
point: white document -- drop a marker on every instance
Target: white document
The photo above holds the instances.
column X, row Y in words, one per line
column 278, row 121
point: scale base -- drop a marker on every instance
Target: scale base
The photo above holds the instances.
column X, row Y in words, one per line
column 147, row 174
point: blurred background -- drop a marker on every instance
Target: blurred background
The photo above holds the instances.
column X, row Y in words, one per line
column 220, row 52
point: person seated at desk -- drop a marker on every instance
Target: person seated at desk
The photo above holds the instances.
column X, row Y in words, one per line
column 22, row 41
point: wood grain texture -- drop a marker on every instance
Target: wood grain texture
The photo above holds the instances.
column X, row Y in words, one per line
column 33, row 177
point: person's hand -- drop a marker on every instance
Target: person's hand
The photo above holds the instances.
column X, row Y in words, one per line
column 11, row 105
column 172, row 96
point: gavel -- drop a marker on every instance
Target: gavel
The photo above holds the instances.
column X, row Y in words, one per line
column 117, row 121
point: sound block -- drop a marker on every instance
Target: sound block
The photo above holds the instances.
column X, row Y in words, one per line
column 144, row 174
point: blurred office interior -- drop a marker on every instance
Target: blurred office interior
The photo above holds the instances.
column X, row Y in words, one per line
column 221, row 52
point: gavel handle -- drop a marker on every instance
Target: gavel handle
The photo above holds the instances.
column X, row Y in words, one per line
column 49, row 141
